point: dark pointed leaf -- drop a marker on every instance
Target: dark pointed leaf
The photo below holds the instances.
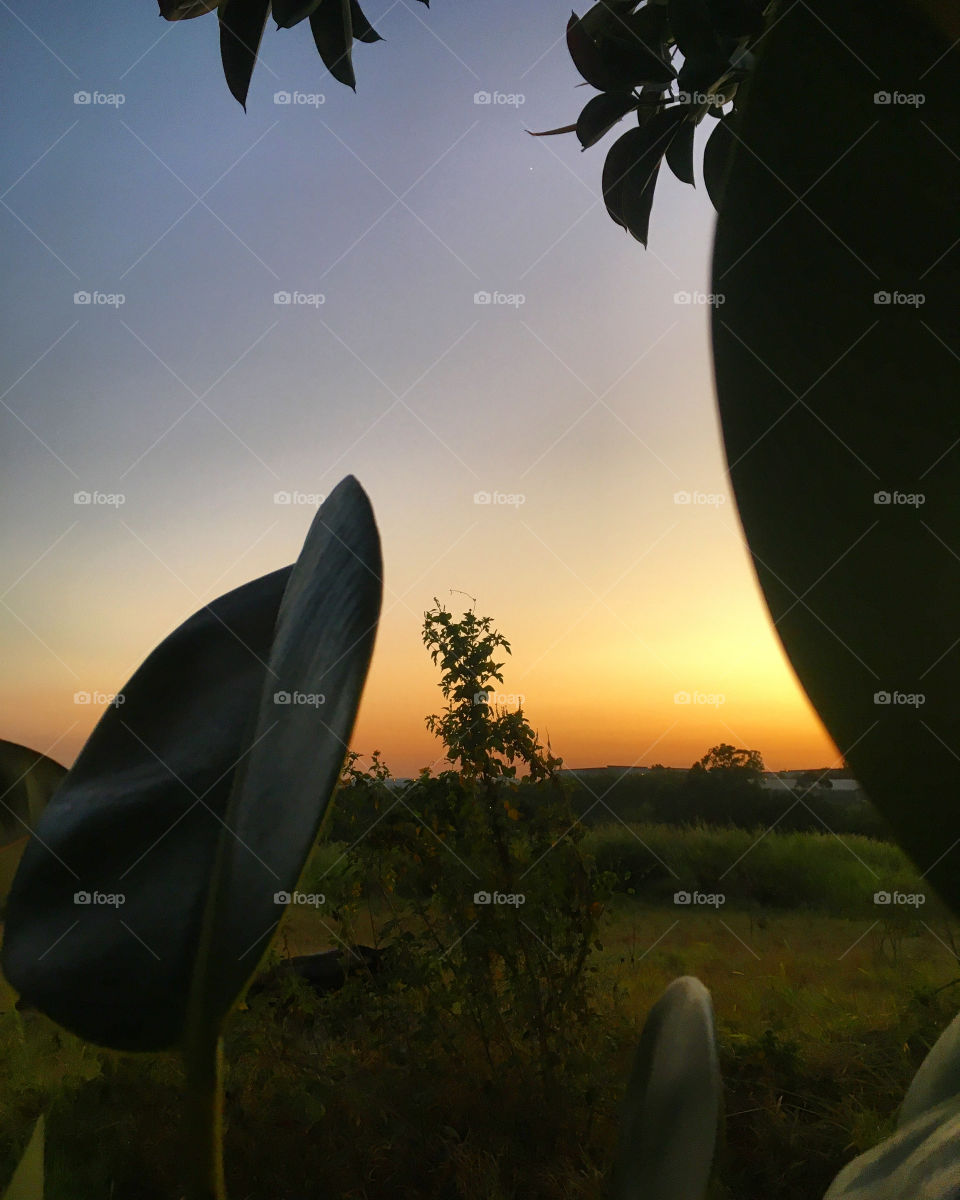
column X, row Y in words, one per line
column 691, row 23
column 241, row 28
column 672, row 1107
column 168, row 778
column 614, row 64
column 716, row 160
column 679, row 152
column 601, row 114
column 288, row 13
column 552, row 132
column 363, row 31
column 826, row 379
column 630, row 171
column 184, row 10
column 332, row 27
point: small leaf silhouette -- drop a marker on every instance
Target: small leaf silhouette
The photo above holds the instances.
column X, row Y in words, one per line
column 332, row 26
column 679, row 153
column 601, row 114
column 363, row 31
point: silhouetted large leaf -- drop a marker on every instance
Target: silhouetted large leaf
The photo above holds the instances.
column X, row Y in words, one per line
column 332, row 27
column 679, row 152
column 27, row 781
column 601, row 114
column 198, row 784
column 241, row 28
column 838, row 382
column 631, row 167
column 672, row 1106
column 363, row 31
column 616, row 63
column 288, row 13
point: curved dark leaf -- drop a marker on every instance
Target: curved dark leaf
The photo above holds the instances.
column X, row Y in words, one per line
column 552, row 132
column 332, row 27
column 613, row 64
column 837, row 377
column 288, row 13
column 601, row 114
column 241, row 28
column 691, row 23
column 105, row 915
column 679, row 152
column 363, row 31
column 716, row 160
column 630, row 171
column 184, row 10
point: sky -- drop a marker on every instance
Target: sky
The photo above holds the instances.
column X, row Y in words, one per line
column 532, row 454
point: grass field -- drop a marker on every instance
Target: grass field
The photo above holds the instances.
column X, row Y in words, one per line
column 822, row 1020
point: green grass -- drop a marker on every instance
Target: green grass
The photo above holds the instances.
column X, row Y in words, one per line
column 823, row 1012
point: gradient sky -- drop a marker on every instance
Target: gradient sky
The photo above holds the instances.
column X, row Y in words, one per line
column 200, row 398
